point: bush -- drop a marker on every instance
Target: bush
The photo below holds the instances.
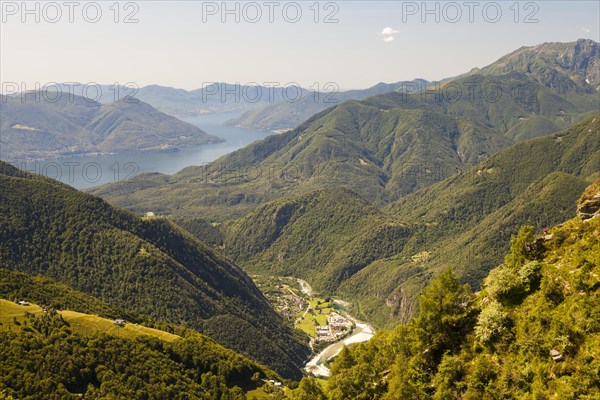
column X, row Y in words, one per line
column 491, row 322
column 510, row 286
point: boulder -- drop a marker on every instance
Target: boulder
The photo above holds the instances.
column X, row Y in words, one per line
column 556, row 355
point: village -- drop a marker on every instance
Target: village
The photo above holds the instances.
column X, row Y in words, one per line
column 336, row 328
column 321, row 318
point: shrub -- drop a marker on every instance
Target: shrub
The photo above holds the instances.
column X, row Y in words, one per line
column 491, row 322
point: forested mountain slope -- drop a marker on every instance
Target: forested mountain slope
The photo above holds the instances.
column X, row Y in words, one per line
column 148, row 266
column 383, row 147
column 55, row 352
column 381, row 258
column 532, row 332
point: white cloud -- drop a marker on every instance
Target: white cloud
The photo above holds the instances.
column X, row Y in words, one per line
column 387, row 34
column 388, row 31
column 586, row 30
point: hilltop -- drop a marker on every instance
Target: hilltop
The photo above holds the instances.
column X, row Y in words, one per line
column 563, row 66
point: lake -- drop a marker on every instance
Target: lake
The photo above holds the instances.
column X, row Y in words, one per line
column 87, row 171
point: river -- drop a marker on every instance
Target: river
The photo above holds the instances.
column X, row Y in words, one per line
column 86, row 171
column 363, row 332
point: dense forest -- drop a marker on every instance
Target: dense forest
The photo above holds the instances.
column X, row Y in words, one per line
column 45, row 359
column 147, row 266
column 532, row 332
column 381, row 258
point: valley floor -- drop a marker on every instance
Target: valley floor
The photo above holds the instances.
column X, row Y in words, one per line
column 327, row 321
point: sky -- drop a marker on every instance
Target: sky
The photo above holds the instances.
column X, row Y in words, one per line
column 351, row 44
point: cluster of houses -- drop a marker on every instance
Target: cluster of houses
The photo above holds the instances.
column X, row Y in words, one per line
column 289, row 306
column 336, row 326
column 286, row 304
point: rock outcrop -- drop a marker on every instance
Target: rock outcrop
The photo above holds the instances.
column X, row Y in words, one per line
column 589, row 205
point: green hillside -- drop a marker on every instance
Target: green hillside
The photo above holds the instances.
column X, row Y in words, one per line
column 50, row 355
column 13, row 317
column 531, row 333
column 39, row 289
column 285, row 115
column 471, row 216
column 31, row 335
column 382, row 258
column 383, row 147
column 147, row 266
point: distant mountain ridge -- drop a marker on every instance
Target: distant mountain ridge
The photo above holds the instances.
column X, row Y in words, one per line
column 283, row 115
column 218, row 97
column 560, row 66
column 36, row 128
column 276, row 106
column 213, row 97
column 383, row 147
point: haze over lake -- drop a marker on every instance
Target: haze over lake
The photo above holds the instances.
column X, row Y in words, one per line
column 87, row 171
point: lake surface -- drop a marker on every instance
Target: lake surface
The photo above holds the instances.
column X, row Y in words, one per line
column 87, row 171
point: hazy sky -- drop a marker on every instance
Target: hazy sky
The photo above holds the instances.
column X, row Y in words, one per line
column 185, row 44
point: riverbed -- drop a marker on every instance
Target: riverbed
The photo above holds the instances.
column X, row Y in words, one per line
column 363, row 332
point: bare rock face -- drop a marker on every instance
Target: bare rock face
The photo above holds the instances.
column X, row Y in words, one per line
column 589, row 204
column 589, row 208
